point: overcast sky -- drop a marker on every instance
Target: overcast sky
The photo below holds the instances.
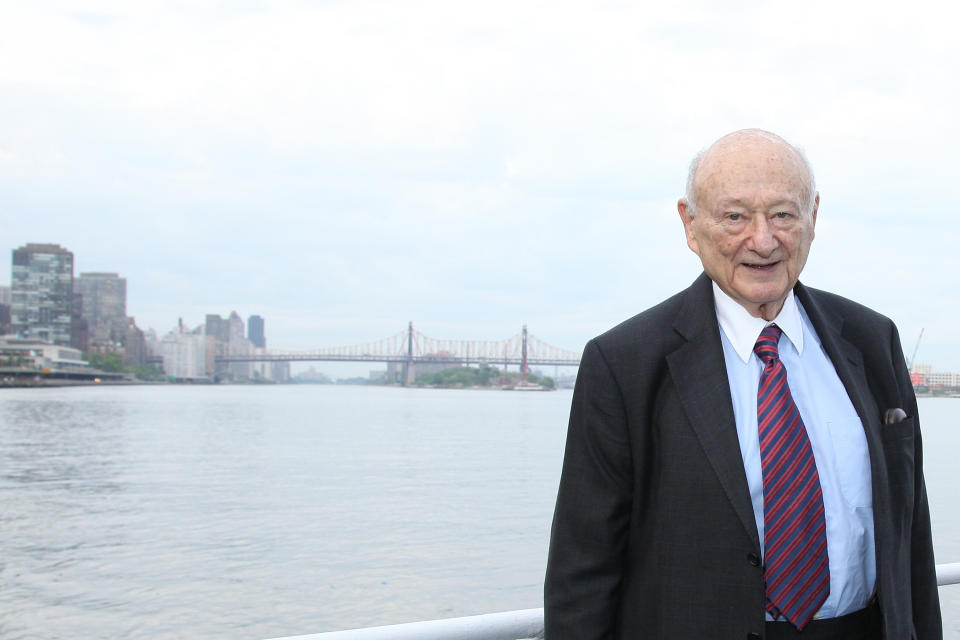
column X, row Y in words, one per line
column 341, row 168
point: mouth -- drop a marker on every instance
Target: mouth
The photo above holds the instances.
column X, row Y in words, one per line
column 761, row 267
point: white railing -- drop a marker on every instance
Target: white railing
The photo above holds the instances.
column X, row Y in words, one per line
column 509, row 625
column 948, row 574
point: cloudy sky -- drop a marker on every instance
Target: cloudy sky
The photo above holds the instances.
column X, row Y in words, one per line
column 341, row 168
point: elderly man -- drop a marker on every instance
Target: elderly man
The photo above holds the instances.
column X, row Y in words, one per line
column 743, row 460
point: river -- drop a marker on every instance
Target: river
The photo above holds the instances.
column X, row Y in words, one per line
column 255, row 512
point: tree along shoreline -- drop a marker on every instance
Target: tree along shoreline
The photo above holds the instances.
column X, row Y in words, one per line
column 113, row 363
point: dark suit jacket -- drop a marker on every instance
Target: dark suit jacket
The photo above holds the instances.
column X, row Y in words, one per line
column 654, row 534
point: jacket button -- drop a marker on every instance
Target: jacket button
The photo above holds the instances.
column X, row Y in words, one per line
column 753, row 636
column 754, row 560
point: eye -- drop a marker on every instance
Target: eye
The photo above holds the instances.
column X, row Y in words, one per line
column 734, row 216
column 783, row 214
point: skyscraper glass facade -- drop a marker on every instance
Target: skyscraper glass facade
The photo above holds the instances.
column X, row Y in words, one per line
column 41, row 293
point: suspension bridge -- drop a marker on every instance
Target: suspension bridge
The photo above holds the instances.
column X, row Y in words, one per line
column 410, row 347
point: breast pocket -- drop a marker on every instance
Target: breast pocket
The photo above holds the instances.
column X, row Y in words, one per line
column 898, row 430
column 898, row 451
column 853, row 461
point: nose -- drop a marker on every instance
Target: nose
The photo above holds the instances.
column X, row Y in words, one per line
column 761, row 239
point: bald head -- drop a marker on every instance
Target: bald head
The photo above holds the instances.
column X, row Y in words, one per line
column 763, row 147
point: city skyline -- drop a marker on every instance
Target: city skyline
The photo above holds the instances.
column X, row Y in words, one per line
column 255, row 333
column 345, row 168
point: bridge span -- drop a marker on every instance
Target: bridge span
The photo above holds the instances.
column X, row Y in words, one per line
column 410, row 347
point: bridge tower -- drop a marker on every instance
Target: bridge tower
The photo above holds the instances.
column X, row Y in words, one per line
column 523, row 361
column 408, row 372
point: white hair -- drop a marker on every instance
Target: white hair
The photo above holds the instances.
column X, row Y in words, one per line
column 691, row 195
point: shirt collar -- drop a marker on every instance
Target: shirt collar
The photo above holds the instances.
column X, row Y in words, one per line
column 742, row 329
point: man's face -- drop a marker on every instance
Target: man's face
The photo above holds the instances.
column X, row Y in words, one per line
column 753, row 226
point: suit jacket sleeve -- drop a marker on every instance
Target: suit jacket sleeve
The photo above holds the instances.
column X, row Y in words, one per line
column 591, row 521
column 924, row 594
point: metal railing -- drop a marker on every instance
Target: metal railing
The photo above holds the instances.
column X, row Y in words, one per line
column 509, row 625
column 948, row 574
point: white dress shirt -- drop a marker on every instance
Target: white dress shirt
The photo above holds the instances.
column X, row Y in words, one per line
column 836, row 437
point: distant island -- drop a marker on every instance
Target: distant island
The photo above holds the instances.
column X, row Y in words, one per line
column 482, row 377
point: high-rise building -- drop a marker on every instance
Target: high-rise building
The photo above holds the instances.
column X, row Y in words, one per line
column 238, row 346
column 217, row 332
column 41, row 293
column 255, row 332
column 217, row 327
column 104, row 307
column 78, row 324
column 134, row 345
column 4, row 319
column 4, row 310
column 235, row 322
column 225, row 337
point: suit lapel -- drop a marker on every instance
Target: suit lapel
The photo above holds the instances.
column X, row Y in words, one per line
column 848, row 362
column 846, row 358
column 701, row 378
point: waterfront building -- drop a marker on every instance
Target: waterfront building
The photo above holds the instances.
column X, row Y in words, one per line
column 262, row 369
column 134, row 345
column 265, row 370
column 152, row 340
column 255, row 332
column 238, row 346
column 225, row 337
column 212, row 349
column 184, row 353
column 942, row 379
column 240, row 370
column 41, row 294
column 924, row 375
column 41, row 355
column 217, row 332
column 5, row 295
column 104, row 307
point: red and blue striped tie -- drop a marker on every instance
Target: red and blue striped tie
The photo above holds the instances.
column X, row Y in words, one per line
column 796, row 568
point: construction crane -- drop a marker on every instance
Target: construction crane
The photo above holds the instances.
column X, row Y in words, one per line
column 914, row 356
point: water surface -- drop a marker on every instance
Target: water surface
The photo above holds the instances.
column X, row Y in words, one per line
column 264, row 511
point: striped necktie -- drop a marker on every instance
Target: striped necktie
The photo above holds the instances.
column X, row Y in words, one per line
column 796, row 568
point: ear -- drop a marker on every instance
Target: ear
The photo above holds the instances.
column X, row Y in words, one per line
column 816, row 207
column 683, row 208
